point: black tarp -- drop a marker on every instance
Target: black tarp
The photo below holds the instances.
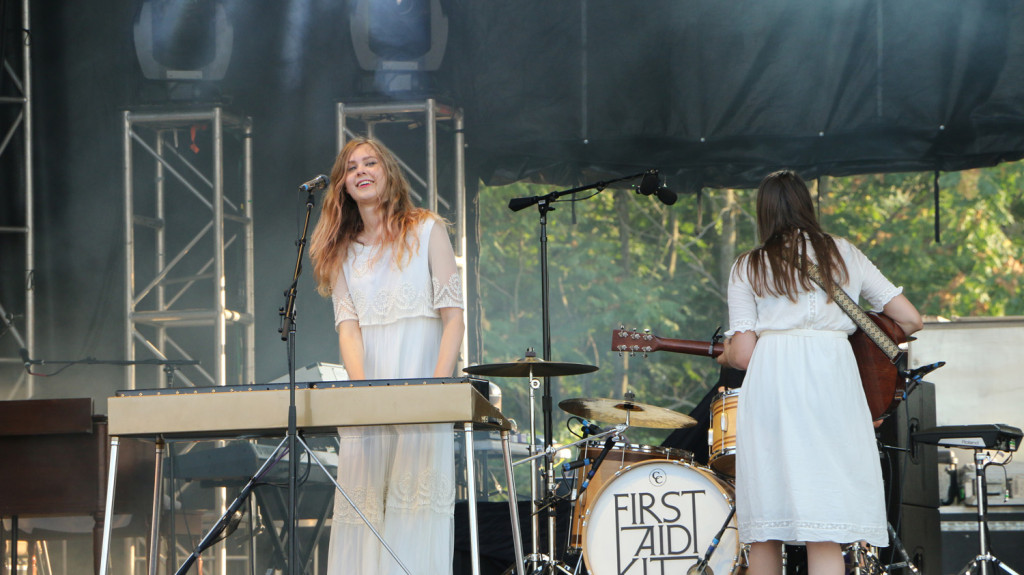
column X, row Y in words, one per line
column 565, row 91
column 718, row 93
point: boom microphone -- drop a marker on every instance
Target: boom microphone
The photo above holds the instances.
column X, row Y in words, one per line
column 318, row 183
column 650, row 185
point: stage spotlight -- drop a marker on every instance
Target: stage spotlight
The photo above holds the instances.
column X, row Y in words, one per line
column 183, row 40
column 398, row 40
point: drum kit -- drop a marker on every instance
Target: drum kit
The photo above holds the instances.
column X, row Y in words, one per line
column 634, row 508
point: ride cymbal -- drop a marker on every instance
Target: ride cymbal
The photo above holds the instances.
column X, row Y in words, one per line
column 618, row 410
column 524, row 367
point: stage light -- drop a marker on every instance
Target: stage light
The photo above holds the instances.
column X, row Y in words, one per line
column 183, row 40
column 398, row 40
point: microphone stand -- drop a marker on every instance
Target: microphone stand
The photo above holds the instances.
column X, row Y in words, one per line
column 544, row 205
column 287, row 331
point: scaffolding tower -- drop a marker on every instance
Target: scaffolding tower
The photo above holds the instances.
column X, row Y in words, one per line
column 189, row 244
column 18, row 309
column 438, row 178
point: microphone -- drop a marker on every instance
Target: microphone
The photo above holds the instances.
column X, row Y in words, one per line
column 318, row 183
column 589, row 428
column 597, row 463
column 24, row 357
column 650, row 185
column 667, row 196
column 516, row 204
column 575, row 464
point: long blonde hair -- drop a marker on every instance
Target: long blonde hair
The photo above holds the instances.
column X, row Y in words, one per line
column 340, row 222
column 785, row 223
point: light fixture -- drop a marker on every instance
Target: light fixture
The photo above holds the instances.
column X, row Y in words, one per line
column 398, row 40
column 183, row 40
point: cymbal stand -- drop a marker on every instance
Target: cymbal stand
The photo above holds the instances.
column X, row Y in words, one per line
column 981, row 562
column 544, row 205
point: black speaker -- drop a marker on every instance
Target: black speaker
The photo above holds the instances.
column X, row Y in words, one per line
column 911, row 473
column 920, row 531
column 910, row 469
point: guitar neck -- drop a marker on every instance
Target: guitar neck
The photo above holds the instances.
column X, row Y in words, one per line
column 692, row 347
column 632, row 341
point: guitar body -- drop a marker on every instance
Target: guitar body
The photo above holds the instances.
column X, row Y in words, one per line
column 883, row 384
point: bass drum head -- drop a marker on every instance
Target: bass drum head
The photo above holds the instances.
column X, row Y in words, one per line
column 660, row 516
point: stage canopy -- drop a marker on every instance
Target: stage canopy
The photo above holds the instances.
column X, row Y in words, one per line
column 717, row 94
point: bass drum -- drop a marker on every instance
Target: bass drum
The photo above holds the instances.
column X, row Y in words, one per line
column 620, row 456
column 660, row 516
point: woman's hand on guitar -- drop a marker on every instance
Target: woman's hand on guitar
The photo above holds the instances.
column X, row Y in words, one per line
column 723, row 358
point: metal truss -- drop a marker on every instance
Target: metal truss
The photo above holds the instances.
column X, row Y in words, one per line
column 421, row 126
column 17, row 94
column 189, row 244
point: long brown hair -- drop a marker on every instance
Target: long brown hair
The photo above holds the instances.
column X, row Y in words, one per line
column 340, row 222
column 785, row 224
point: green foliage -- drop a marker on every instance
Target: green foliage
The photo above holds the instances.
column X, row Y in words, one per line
column 619, row 258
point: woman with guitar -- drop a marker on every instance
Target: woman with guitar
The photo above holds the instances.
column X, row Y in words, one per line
column 807, row 466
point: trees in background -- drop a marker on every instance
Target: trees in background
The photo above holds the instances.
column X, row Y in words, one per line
column 619, row 258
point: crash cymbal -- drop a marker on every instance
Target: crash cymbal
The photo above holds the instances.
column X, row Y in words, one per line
column 524, row 367
column 616, row 411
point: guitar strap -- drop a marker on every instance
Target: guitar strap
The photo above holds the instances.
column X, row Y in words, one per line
column 859, row 317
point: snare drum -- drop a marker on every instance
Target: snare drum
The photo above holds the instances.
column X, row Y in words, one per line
column 660, row 517
column 620, row 456
column 722, row 434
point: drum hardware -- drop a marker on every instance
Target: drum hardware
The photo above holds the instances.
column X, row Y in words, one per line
column 532, row 367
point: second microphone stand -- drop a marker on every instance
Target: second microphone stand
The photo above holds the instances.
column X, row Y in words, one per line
column 544, row 205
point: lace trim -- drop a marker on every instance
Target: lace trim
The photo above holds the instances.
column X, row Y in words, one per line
column 365, row 499
column 793, row 530
column 389, row 305
column 413, row 490
column 742, row 325
column 449, row 294
column 812, row 303
column 888, row 294
column 344, row 308
column 422, row 489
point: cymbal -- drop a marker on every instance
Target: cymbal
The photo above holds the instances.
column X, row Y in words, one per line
column 616, row 411
column 523, row 368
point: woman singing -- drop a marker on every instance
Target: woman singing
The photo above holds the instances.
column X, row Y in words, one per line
column 807, row 465
column 390, row 270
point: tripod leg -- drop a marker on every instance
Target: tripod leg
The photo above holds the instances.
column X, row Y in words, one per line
column 1003, row 566
column 355, row 507
column 225, row 519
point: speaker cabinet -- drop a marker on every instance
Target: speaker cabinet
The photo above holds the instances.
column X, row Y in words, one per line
column 920, row 531
column 910, row 469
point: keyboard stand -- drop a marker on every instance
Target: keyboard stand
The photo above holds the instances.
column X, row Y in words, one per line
column 980, row 564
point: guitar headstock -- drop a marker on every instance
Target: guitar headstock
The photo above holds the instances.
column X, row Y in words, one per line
column 633, row 341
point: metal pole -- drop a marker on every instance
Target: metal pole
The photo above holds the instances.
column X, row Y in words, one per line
column 129, row 252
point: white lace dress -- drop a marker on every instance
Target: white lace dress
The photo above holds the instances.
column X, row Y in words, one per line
column 807, row 463
column 401, row 477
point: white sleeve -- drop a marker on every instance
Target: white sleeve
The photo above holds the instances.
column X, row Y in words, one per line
column 875, row 287
column 444, row 274
column 344, row 306
column 742, row 302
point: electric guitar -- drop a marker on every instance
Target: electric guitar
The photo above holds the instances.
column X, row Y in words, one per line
column 884, row 383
